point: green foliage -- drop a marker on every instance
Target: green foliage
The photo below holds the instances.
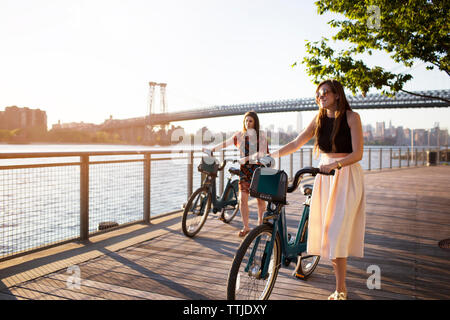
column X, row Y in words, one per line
column 407, row 30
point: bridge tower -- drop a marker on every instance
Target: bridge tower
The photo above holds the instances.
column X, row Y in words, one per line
column 163, row 107
column 163, row 100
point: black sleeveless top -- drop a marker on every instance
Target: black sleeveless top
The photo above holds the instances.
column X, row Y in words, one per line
column 343, row 140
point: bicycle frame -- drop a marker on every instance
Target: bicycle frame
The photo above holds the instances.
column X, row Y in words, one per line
column 224, row 200
column 288, row 250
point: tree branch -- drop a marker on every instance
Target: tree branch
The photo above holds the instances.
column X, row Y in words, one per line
column 426, row 96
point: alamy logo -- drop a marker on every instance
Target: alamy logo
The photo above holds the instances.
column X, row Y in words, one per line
column 74, row 281
column 374, row 281
column 374, row 20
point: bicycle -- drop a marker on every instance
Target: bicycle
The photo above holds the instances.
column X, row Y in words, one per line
column 255, row 266
column 198, row 206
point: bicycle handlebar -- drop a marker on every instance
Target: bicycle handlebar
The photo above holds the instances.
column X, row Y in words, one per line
column 297, row 179
column 224, row 162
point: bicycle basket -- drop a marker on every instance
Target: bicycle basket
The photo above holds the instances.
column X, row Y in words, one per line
column 208, row 165
column 269, row 184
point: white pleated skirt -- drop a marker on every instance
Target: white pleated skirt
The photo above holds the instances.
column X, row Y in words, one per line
column 337, row 216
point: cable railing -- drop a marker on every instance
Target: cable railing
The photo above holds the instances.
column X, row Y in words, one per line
column 51, row 198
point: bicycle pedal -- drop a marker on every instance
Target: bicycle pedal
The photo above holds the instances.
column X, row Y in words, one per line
column 298, row 275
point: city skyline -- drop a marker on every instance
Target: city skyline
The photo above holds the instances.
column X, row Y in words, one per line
column 25, row 125
column 84, row 60
column 299, row 124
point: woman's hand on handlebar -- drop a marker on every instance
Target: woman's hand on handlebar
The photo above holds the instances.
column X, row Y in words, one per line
column 207, row 151
column 327, row 168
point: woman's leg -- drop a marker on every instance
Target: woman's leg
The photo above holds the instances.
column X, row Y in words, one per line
column 261, row 209
column 340, row 269
column 243, row 198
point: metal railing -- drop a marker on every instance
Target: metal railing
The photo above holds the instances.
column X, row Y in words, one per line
column 52, row 198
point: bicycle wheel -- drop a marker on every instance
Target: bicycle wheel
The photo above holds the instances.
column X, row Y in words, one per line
column 244, row 280
column 306, row 264
column 196, row 211
column 229, row 212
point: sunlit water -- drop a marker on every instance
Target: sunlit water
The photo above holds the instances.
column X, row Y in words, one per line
column 42, row 205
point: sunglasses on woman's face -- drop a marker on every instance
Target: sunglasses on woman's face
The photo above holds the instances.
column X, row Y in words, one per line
column 322, row 92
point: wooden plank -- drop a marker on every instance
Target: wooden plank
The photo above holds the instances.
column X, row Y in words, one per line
column 25, row 293
column 121, row 291
column 407, row 214
column 57, row 289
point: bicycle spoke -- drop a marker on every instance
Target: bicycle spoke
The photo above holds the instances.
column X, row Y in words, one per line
column 196, row 212
column 247, row 270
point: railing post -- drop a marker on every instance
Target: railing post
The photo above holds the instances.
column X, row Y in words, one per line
column 310, row 156
column 438, row 153
column 399, row 157
column 147, row 186
column 221, row 174
column 291, row 166
column 407, row 157
column 415, row 158
column 84, row 197
column 190, row 173
column 370, row 156
column 301, row 158
column 390, row 158
column 381, row 158
column 446, row 153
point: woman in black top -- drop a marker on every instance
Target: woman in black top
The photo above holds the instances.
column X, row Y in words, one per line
column 337, row 217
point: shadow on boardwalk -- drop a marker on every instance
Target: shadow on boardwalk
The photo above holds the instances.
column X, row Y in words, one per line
column 407, row 215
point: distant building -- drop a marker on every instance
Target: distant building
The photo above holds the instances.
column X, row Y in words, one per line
column 367, row 136
column 76, row 126
column 444, row 137
column 407, row 134
column 420, row 137
column 380, row 128
column 438, row 136
column 399, row 136
column 23, row 118
column 368, row 128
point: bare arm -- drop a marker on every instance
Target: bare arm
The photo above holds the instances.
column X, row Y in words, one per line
column 224, row 144
column 298, row 142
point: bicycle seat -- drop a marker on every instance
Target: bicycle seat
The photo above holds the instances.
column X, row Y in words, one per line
column 307, row 189
column 234, row 171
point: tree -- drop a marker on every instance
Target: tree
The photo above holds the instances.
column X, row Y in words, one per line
column 408, row 30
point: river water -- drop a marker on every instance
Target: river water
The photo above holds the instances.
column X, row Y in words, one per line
column 41, row 205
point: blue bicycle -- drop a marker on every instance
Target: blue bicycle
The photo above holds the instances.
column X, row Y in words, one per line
column 255, row 266
column 197, row 208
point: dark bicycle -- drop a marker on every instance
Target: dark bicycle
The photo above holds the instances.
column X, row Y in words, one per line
column 255, row 266
column 197, row 208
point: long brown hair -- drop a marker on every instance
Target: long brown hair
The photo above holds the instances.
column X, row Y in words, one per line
column 256, row 120
column 342, row 107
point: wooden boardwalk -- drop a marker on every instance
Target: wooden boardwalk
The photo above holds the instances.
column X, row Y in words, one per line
column 408, row 213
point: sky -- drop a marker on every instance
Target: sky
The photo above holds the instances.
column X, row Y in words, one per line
column 87, row 60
